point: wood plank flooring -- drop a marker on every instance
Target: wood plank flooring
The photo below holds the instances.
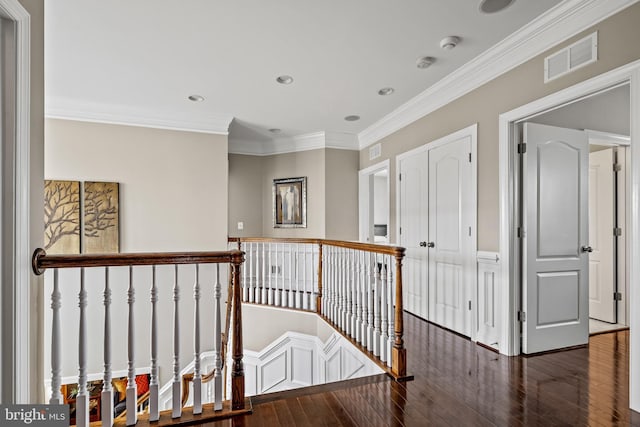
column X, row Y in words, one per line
column 458, row 383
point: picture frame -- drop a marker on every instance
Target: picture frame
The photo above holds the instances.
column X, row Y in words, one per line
column 290, row 202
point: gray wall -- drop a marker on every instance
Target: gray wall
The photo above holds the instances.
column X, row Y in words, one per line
column 332, row 193
column 519, row 86
column 342, row 195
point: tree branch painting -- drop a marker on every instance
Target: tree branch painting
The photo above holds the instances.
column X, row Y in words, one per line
column 62, row 217
column 101, row 222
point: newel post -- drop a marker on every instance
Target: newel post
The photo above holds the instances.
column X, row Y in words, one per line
column 237, row 372
column 398, row 352
column 319, row 296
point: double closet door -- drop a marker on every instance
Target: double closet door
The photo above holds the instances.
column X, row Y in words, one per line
column 437, row 224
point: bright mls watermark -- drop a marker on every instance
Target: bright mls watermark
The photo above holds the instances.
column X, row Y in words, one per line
column 34, row 415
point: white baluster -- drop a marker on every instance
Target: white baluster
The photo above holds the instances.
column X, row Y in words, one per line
column 299, row 278
column 384, row 338
column 175, row 387
column 217, row 344
column 244, row 279
column 265, row 299
column 353, row 293
column 306, row 292
column 376, row 307
column 256, row 273
column 336, row 285
column 154, row 413
column 132, row 387
column 271, row 273
column 330, row 282
column 56, row 340
column 357, row 319
column 391, row 292
column 252, row 291
column 343, row 289
column 290, row 302
column 82, row 399
column 364, row 302
column 106, row 405
column 197, row 376
column 370, row 286
column 277, row 273
column 347, row 296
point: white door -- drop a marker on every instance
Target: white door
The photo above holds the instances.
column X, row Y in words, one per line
column 450, row 243
column 555, row 220
column 602, row 283
column 413, row 232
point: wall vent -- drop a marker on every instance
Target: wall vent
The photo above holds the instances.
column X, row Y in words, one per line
column 577, row 55
column 375, row 151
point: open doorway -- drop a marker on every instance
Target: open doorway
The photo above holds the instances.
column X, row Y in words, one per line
column 562, row 253
column 605, row 119
column 374, row 203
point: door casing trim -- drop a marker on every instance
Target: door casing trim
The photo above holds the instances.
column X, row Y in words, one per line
column 510, row 335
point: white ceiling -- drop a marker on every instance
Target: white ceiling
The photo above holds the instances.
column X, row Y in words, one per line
column 142, row 59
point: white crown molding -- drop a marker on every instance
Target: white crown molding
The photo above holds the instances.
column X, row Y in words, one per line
column 306, row 142
column 66, row 109
column 551, row 28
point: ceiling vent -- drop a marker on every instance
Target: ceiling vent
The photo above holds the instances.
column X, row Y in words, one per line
column 375, row 151
column 577, row 55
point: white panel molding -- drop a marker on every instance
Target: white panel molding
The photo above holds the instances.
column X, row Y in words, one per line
column 67, row 109
column 334, row 360
column 306, row 142
column 290, row 346
column 489, row 287
column 558, row 24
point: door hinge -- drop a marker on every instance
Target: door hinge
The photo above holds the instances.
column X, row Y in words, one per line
column 469, row 305
column 399, row 177
column 519, row 233
column 522, row 316
column 617, row 167
column 522, row 148
column 469, row 231
column 400, row 230
column 617, row 296
column 617, row 231
column 469, row 157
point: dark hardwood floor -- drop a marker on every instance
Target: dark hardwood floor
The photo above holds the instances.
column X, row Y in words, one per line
column 459, row 383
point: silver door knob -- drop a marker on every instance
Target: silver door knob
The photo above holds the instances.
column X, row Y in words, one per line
column 431, row 245
column 423, row 244
column 587, row 249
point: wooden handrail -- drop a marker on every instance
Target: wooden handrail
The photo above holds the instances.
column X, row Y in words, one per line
column 41, row 261
column 369, row 247
column 234, row 258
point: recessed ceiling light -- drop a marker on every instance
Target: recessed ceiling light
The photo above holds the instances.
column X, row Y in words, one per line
column 425, row 61
column 275, row 130
column 196, row 98
column 386, row 91
column 493, row 6
column 352, row 118
column 285, row 80
column 449, row 42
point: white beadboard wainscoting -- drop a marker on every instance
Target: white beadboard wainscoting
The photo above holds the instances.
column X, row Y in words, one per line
column 489, row 294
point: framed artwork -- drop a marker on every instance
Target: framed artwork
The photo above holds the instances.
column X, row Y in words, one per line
column 290, row 203
column 62, row 217
column 101, row 222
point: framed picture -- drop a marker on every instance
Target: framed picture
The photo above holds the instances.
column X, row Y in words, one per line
column 290, row 203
